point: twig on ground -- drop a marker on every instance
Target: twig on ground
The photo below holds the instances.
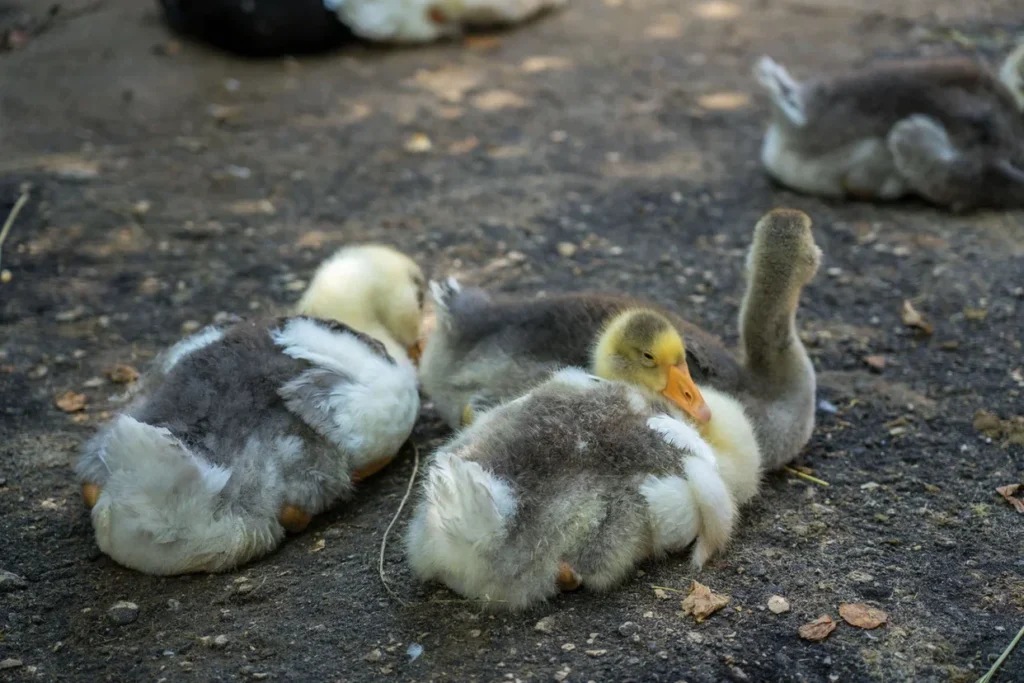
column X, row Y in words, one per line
column 398, row 513
column 1002, row 658
column 22, row 200
column 804, row 475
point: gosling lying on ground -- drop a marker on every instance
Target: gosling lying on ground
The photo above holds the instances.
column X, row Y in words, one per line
column 574, row 484
column 486, row 350
column 948, row 130
column 239, row 434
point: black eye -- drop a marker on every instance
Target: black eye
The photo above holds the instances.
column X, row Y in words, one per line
column 648, row 356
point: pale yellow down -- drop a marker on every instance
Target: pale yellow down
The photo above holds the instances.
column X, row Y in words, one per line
column 373, row 289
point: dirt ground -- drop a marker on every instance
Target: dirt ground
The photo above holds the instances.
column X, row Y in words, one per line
column 171, row 183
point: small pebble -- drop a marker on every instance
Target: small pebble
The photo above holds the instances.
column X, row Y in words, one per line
column 628, row 629
column 778, row 604
column 566, row 249
column 545, row 625
column 9, row 581
column 414, row 651
column 827, row 407
column 173, row 605
column 190, row 326
column 123, row 612
column 5, row 276
column 375, row 655
column 10, row 663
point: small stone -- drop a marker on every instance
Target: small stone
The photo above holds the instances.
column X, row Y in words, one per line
column 695, row 637
column 123, row 612
column 568, row 647
column 629, row 628
column 5, row 276
column 475, row 633
column 418, row 144
column 141, row 207
column 375, row 655
column 94, row 382
column 70, row 315
column 876, row 363
column 38, row 372
column 545, row 625
column 563, row 674
column 778, row 604
column 566, row 249
column 596, row 653
column 10, row 663
column 173, row 605
column 190, row 326
column 869, row 486
column 220, row 642
column 9, row 581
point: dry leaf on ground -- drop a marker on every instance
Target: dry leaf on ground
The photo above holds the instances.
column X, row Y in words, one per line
column 1007, row 493
column 122, row 374
column 495, row 100
column 819, row 629
column 533, row 65
column 862, row 616
column 912, row 318
column 448, row 83
column 70, row 402
column 702, row 602
column 252, row 207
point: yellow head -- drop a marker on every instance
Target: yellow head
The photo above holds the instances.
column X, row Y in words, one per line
column 641, row 347
column 373, row 289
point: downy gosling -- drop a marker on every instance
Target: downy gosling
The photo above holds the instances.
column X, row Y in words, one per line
column 576, row 482
column 486, row 350
column 948, row 130
column 238, row 434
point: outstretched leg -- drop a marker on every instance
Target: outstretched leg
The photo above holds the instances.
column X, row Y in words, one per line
column 785, row 91
column 938, row 171
column 782, row 259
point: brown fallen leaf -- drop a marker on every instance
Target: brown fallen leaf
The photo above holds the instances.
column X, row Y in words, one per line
column 252, row 207
column 716, row 9
column 70, row 402
column 912, row 318
column 862, row 616
column 464, row 146
column 314, row 239
column 1007, row 493
column 532, row 65
column 481, row 42
column 122, row 374
column 819, row 629
column 495, row 100
column 449, row 83
column 702, row 602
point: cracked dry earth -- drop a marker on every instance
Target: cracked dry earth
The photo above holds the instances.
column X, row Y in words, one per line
column 171, row 184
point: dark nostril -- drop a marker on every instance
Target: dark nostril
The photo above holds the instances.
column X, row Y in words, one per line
column 688, row 395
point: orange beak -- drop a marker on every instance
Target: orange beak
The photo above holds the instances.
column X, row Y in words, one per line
column 684, row 393
column 415, row 351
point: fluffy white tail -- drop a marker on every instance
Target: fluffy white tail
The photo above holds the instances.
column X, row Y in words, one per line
column 464, row 513
column 161, row 510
